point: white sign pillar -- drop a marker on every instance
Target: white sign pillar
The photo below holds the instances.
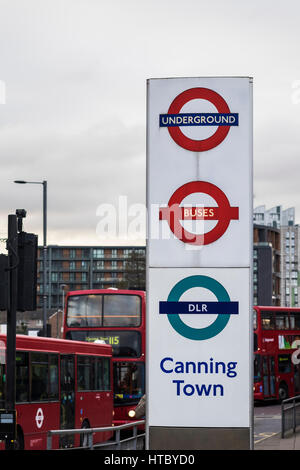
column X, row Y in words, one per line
column 199, row 263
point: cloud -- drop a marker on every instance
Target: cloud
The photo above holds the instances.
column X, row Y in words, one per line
column 82, row 171
column 75, row 74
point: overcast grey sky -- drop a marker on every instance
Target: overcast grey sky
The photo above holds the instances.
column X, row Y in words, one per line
column 75, row 113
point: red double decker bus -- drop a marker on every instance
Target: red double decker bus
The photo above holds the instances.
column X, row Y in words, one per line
column 118, row 318
column 276, row 353
column 59, row 385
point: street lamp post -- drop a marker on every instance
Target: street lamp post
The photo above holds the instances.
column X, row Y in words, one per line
column 44, row 183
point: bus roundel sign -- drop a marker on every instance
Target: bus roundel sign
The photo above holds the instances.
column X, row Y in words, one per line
column 223, row 213
column 205, row 144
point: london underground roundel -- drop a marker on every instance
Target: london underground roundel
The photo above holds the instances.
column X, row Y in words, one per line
column 224, row 307
column 224, row 119
column 174, row 213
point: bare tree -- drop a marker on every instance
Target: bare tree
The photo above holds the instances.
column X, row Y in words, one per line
column 134, row 276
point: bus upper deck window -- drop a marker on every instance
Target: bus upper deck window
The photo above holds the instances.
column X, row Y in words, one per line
column 267, row 320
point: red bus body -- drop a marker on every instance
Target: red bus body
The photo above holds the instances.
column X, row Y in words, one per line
column 117, row 317
column 276, row 353
column 52, row 378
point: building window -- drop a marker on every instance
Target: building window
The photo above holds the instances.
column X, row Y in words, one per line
column 85, row 252
column 56, row 253
column 98, row 253
column 72, row 265
column 98, row 264
column 57, row 264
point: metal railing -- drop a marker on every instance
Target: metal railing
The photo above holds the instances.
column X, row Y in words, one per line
column 129, row 443
column 290, row 415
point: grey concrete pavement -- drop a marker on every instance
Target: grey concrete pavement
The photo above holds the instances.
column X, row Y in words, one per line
column 275, row 442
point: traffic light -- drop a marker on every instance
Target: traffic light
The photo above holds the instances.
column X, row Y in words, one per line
column 3, row 282
column 27, row 271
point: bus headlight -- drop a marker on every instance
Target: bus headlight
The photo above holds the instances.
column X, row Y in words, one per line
column 131, row 414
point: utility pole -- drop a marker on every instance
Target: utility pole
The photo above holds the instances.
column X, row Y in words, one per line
column 12, row 248
column 18, row 277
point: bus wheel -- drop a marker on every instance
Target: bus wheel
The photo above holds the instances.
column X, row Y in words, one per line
column 19, row 442
column 84, row 440
column 283, row 392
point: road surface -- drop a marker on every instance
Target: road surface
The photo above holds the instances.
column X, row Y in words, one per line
column 267, row 420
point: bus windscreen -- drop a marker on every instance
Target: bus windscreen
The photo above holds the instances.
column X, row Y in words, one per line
column 101, row 310
column 129, row 380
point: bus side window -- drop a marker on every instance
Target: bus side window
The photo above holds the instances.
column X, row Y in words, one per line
column 292, row 322
column 84, row 373
column 53, row 376
column 295, row 321
column 44, row 376
column 282, row 321
column 22, row 377
column 284, row 364
column 39, row 376
column 2, row 385
column 106, row 374
column 98, row 374
column 267, row 320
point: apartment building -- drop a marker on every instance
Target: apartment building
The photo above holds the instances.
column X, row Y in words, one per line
column 290, row 266
column 266, row 265
column 88, row 267
column 284, row 221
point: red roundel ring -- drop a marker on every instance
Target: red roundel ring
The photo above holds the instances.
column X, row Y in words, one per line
column 223, row 204
column 205, row 144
